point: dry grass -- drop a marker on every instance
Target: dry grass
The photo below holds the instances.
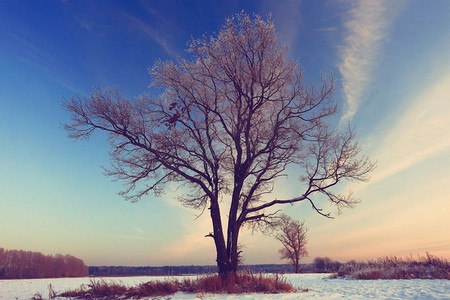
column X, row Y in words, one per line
column 427, row 267
column 95, row 289
column 244, row 282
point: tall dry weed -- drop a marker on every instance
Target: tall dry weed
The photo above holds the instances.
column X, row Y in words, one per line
column 393, row 267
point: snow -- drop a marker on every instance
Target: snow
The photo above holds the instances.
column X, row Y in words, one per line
column 318, row 286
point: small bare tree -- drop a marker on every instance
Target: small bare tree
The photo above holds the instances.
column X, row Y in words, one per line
column 292, row 235
column 228, row 124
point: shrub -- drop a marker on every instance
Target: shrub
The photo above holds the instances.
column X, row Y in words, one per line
column 325, row 265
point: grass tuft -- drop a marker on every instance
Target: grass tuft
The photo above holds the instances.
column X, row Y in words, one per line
column 243, row 282
column 153, row 288
column 95, row 289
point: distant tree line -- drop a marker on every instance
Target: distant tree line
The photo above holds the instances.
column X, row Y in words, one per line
column 147, row 270
column 182, row 270
column 19, row 264
column 319, row 265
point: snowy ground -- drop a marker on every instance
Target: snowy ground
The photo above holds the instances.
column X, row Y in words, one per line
column 318, row 288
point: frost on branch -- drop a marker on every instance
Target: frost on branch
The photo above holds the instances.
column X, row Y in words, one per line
column 229, row 123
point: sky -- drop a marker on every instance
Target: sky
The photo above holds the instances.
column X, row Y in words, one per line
column 391, row 63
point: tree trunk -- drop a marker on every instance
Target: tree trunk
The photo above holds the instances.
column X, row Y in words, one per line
column 234, row 225
column 227, row 253
column 234, row 253
column 223, row 263
column 232, row 235
column 297, row 265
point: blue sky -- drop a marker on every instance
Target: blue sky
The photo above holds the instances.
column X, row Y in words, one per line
column 391, row 62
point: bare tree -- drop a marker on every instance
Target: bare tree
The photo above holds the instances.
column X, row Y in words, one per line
column 228, row 124
column 292, row 235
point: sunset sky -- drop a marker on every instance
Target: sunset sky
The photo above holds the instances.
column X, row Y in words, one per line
column 391, row 63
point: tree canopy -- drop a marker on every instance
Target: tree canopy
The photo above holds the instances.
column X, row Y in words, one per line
column 229, row 122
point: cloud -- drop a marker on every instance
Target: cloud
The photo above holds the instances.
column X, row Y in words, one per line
column 83, row 23
column 156, row 33
column 39, row 59
column 137, row 229
column 406, row 201
column 155, row 26
column 192, row 247
column 392, row 220
column 327, row 29
column 366, row 27
column 123, row 237
column 420, row 133
column 287, row 18
column 27, row 44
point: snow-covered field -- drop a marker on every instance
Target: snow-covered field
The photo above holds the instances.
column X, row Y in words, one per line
column 318, row 288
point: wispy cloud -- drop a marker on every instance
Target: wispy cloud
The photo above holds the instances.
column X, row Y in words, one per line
column 137, row 229
column 83, row 23
column 287, row 17
column 327, row 29
column 123, row 237
column 39, row 58
column 411, row 218
column 420, row 133
column 154, row 26
column 192, row 244
column 156, row 33
column 366, row 26
column 27, row 44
